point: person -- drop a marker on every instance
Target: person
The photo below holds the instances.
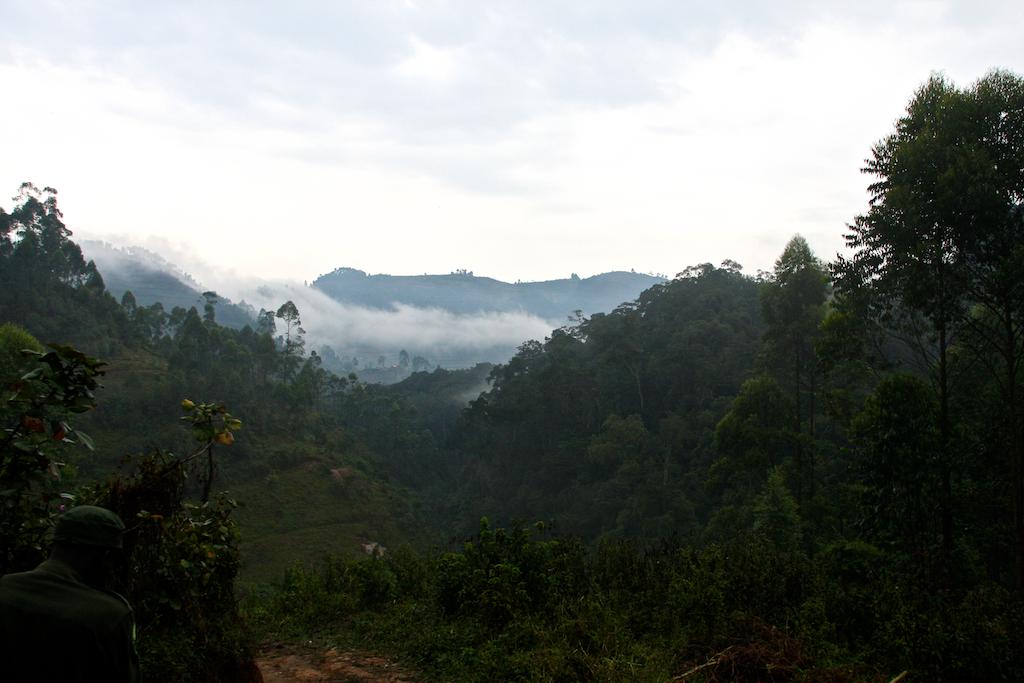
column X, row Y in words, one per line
column 56, row 622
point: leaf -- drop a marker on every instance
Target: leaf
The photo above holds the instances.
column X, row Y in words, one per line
column 34, row 374
column 86, row 440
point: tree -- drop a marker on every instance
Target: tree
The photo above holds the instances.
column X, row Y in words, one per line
column 294, row 341
column 793, row 305
column 991, row 156
column 776, row 514
column 128, row 302
column 37, row 413
column 46, row 285
column 942, row 237
column 753, row 438
column 895, row 457
column 907, row 247
column 621, row 346
column 13, row 341
column 265, row 323
column 211, row 299
column 293, row 325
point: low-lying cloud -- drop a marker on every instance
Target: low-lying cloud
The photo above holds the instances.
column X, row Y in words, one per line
column 433, row 331
column 350, row 330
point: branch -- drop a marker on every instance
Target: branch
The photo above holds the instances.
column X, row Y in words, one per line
column 713, row 661
column 187, row 459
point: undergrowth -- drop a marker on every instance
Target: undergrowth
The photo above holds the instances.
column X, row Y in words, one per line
column 521, row 604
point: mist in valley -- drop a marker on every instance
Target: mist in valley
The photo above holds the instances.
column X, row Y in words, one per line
column 359, row 337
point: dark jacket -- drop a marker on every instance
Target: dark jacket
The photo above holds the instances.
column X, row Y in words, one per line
column 54, row 627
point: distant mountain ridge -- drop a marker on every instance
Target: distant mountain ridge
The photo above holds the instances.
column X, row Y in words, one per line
column 464, row 293
column 151, row 279
column 341, row 336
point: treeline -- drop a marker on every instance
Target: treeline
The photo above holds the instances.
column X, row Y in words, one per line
column 881, row 394
column 159, row 356
column 603, row 425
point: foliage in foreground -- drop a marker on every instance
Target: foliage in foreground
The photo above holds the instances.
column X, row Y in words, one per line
column 518, row 605
column 180, row 559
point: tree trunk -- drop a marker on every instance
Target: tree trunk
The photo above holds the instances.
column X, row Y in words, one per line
column 635, row 370
column 944, row 439
column 208, row 484
column 798, row 427
column 1016, row 442
column 811, row 428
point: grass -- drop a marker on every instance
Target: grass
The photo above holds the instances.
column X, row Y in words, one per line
column 300, row 514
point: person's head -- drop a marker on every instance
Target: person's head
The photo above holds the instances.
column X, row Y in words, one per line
column 85, row 537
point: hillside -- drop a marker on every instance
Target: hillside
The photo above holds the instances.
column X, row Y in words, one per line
column 465, row 293
column 151, row 279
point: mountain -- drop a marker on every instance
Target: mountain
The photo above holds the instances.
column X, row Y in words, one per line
column 455, row 321
column 462, row 292
column 152, row 279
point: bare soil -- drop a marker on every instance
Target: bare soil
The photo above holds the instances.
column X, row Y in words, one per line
column 281, row 664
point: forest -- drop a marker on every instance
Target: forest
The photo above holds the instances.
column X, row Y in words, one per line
column 814, row 473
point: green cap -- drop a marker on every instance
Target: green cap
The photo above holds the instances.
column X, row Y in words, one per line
column 89, row 525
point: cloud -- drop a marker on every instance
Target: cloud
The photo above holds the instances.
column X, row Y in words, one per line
column 522, row 139
column 432, row 332
column 466, row 69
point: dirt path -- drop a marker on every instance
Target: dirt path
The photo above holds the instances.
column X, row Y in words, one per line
column 286, row 664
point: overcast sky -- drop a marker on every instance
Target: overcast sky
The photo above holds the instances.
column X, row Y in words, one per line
column 520, row 140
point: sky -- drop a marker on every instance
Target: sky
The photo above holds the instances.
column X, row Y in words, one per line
column 520, row 140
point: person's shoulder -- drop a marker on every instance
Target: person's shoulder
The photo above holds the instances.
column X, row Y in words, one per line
column 21, row 581
column 108, row 603
column 118, row 599
column 16, row 577
column 10, row 583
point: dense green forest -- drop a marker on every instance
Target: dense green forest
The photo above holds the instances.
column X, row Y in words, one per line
column 814, row 473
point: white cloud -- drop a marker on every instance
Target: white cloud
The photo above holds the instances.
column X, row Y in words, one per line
column 429, row 63
column 521, row 140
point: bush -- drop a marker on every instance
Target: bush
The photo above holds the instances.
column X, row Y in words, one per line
column 178, row 571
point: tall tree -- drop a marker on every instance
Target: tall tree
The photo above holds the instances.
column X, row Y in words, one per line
column 793, row 305
column 990, row 155
column 940, row 238
column 294, row 336
column 211, row 300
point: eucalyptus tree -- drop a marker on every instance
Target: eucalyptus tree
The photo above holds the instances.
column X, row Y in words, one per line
column 793, row 306
column 941, row 245
column 294, row 338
